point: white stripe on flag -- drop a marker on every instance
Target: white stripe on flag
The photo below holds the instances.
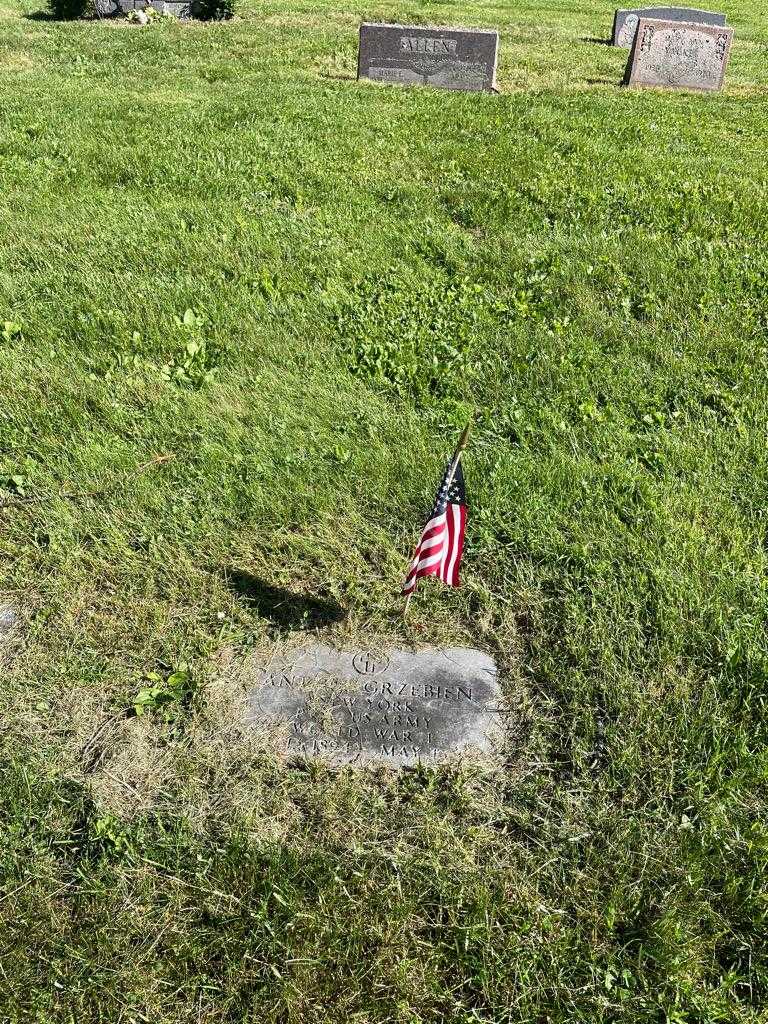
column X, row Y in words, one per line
column 432, row 545
column 418, row 568
column 432, row 559
column 437, row 521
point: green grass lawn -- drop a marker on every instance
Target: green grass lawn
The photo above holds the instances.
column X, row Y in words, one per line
column 248, row 306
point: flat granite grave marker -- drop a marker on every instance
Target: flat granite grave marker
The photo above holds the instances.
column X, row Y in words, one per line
column 9, row 621
column 369, row 707
column 625, row 22
column 677, row 55
column 448, row 58
column 10, row 627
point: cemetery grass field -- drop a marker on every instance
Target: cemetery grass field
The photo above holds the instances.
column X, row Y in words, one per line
column 246, row 306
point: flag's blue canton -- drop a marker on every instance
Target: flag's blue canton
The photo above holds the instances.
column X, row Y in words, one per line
column 454, row 495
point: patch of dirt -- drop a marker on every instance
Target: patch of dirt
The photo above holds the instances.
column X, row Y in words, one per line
column 132, row 769
column 16, row 61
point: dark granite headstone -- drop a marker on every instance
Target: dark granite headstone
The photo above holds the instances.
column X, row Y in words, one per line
column 376, row 707
column 449, row 58
column 677, row 55
column 625, row 22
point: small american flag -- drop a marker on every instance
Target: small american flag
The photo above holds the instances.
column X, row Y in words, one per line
column 440, row 547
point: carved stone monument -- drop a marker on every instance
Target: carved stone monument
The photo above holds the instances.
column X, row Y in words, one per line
column 679, row 55
column 449, row 58
column 181, row 9
column 386, row 707
column 625, row 22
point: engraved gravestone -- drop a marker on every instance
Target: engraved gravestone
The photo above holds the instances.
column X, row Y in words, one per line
column 181, row 9
column 625, row 22
column 677, row 55
column 369, row 707
column 448, row 58
column 10, row 624
column 9, row 621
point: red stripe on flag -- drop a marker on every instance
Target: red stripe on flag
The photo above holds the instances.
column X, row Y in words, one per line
column 448, row 545
column 460, row 515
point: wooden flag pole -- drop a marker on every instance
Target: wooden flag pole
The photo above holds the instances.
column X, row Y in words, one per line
column 457, row 455
column 448, row 481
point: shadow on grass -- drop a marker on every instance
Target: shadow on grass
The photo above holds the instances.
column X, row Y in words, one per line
column 285, row 610
column 42, row 16
column 598, row 42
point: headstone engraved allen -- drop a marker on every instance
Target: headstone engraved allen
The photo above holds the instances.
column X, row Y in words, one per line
column 625, row 22
column 372, row 707
column 677, row 55
column 448, row 58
